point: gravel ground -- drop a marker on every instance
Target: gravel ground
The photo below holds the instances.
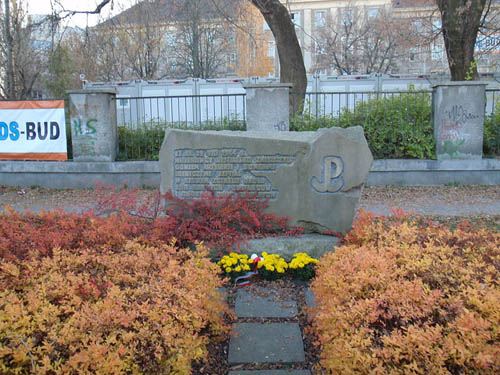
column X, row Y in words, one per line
column 459, row 201
column 463, row 201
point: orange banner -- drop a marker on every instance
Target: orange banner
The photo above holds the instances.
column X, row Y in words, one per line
column 32, row 104
column 49, row 156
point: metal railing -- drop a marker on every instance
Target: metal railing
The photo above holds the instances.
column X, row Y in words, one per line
column 492, row 99
column 189, row 111
column 491, row 134
column 333, row 104
column 143, row 120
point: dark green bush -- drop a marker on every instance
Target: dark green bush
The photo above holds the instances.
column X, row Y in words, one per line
column 140, row 144
column 144, row 143
column 396, row 126
column 491, row 139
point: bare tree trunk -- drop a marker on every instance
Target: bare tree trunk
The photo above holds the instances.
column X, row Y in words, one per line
column 460, row 25
column 292, row 69
column 10, row 55
column 197, row 72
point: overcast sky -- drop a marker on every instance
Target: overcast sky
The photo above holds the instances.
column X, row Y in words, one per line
column 44, row 7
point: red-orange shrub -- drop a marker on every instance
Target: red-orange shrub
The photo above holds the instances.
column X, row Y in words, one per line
column 406, row 296
column 220, row 221
column 21, row 234
column 132, row 310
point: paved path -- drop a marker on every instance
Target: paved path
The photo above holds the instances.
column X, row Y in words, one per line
column 268, row 333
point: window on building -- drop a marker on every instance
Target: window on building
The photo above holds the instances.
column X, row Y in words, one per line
column 436, row 26
column 171, row 39
column 347, row 15
column 320, row 18
column 270, row 50
column 296, row 19
column 417, row 25
column 413, row 53
column 320, row 48
column 436, row 51
column 372, row 13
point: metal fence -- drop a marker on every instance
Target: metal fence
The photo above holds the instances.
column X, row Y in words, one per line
column 491, row 133
column 333, row 104
column 189, row 111
column 492, row 99
column 142, row 120
column 220, row 111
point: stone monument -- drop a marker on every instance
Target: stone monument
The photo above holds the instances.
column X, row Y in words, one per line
column 458, row 110
column 316, row 178
column 93, row 125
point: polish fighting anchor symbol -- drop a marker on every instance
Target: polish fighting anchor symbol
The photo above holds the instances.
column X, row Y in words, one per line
column 332, row 180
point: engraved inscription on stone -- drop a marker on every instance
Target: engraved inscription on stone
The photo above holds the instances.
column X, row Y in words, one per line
column 225, row 170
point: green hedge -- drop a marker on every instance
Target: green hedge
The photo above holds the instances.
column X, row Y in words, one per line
column 396, row 127
column 145, row 142
column 491, row 139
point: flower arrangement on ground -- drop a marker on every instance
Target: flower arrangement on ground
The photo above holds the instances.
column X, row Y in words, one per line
column 240, row 268
column 272, row 266
column 302, row 266
column 235, row 265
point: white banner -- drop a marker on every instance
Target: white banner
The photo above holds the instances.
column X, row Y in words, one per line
column 33, row 130
column 489, row 43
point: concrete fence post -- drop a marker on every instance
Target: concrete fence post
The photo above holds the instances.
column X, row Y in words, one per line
column 458, row 113
column 93, row 125
column 268, row 107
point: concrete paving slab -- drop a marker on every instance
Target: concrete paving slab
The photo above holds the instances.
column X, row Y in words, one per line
column 266, row 343
column 250, row 305
column 270, row 372
column 310, row 298
column 223, row 293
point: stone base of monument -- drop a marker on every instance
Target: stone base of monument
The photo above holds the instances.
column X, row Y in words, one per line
column 315, row 245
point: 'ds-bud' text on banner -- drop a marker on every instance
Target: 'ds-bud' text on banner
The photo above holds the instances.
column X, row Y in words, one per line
column 33, row 130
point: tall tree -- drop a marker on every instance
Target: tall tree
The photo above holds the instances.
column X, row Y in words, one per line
column 292, row 69
column 461, row 20
column 358, row 42
column 25, row 43
column 60, row 72
column 143, row 43
column 9, row 47
column 254, row 44
column 203, row 37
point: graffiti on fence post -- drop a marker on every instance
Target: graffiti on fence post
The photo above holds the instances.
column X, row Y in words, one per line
column 86, row 133
column 459, row 120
